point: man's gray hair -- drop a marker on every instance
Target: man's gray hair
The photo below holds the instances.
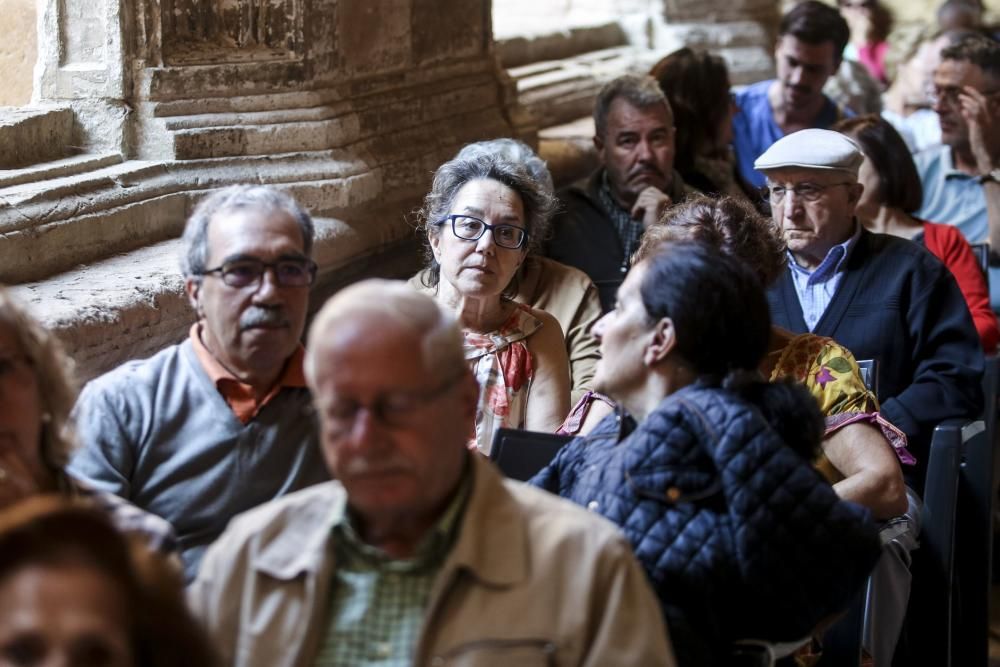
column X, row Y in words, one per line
column 642, row 92
column 517, row 152
column 538, row 200
column 435, row 331
column 235, row 198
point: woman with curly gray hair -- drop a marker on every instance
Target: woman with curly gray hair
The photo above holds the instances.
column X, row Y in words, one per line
column 482, row 217
column 36, row 396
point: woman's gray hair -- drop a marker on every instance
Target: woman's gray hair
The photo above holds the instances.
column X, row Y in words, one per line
column 517, row 152
column 538, row 200
column 234, row 198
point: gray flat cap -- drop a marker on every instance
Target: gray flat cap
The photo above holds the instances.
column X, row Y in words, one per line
column 813, row 149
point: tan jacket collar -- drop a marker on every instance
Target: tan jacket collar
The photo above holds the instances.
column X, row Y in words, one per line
column 301, row 546
column 491, row 544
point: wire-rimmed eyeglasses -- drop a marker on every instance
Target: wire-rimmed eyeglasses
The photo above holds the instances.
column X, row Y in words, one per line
column 393, row 409
column 470, row 228
column 248, row 271
column 805, row 191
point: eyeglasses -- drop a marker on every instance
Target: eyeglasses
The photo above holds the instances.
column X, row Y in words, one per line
column 395, row 409
column 469, row 228
column 948, row 96
column 805, row 191
column 858, row 4
column 247, row 272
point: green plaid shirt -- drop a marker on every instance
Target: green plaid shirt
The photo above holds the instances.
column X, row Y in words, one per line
column 377, row 604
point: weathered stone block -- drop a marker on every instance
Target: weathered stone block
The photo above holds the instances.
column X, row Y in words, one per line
column 373, row 35
column 443, row 29
column 30, row 135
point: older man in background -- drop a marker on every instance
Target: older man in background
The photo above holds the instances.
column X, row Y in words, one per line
column 602, row 223
column 222, row 422
column 881, row 297
column 419, row 553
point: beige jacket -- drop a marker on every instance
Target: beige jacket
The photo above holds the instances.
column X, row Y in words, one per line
column 531, row 580
column 569, row 296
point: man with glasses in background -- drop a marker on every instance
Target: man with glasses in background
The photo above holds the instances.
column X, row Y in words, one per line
column 221, row 422
column 882, row 297
column 961, row 177
column 419, row 553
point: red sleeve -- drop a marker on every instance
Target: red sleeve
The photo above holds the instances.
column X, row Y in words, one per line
column 948, row 245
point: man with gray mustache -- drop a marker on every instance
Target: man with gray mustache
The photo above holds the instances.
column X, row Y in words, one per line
column 602, row 221
column 221, row 422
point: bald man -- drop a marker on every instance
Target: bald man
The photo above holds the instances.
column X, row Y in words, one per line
column 420, row 553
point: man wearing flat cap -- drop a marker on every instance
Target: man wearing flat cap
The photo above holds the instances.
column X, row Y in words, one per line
column 882, row 297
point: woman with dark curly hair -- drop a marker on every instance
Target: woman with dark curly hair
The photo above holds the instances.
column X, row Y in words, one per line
column 856, row 455
column 36, row 440
column 75, row 592
column 482, row 217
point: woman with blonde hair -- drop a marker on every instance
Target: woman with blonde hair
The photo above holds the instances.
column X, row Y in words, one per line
column 36, row 396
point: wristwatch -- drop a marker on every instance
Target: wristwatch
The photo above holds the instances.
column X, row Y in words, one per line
column 993, row 175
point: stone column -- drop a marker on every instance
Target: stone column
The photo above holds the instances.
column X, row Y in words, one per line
column 350, row 105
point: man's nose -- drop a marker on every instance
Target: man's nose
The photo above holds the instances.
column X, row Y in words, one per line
column 267, row 289
column 365, row 431
column 644, row 151
column 793, row 203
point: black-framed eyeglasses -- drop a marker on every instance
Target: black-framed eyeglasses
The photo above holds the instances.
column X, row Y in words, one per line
column 393, row 409
column 470, row 228
column 806, row 191
column 247, row 272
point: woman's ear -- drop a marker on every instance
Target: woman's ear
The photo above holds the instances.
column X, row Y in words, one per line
column 662, row 342
column 434, row 237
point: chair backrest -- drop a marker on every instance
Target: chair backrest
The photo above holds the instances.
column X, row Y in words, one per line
column 974, row 531
column 521, row 454
column 869, row 373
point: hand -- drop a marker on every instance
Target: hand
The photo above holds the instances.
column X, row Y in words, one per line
column 650, row 205
column 984, row 128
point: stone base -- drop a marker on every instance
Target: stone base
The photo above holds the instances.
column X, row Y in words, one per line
column 29, row 135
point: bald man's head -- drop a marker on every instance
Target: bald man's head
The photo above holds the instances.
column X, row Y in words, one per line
column 434, row 334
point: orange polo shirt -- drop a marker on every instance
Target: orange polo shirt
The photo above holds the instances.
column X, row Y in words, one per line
column 240, row 396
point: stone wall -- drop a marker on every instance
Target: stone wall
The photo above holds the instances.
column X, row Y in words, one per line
column 18, row 49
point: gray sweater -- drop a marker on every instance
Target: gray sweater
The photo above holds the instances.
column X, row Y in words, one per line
column 158, row 433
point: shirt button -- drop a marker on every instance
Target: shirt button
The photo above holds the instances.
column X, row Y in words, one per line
column 593, row 505
column 383, row 649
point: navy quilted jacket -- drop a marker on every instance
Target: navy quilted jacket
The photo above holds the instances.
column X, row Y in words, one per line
column 740, row 537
